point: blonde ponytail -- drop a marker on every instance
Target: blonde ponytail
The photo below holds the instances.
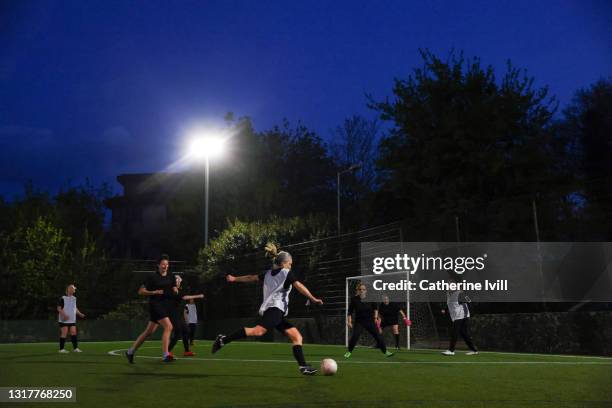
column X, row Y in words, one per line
column 277, row 257
column 271, row 250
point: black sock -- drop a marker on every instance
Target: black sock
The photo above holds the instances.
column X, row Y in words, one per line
column 298, row 354
column 237, row 335
column 185, row 341
column 396, row 340
column 75, row 343
column 62, row 342
column 173, row 341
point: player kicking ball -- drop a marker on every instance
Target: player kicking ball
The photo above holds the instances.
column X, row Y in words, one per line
column 277, row 284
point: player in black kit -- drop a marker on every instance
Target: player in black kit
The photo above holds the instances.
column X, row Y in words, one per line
column 365, row 315
column 159, row 287
column 387, row 313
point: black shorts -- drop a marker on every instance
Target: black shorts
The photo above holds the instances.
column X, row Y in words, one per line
column 66, row 324
column 274, row 318
column 157, row 311
column 175, row 316
column 388, row 322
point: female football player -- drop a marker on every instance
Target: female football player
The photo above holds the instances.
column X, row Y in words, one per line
column 277, row 284
column 365, row 317
column 67, row 314
column 387, row 313
column 159, row 287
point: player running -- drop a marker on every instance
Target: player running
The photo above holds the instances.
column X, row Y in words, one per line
column 160, row 286
column 277, row 284
column 365, row 316
column 67, row 314
column 387, row 313
column 179, row 327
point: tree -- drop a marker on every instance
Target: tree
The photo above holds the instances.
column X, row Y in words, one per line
column 464, row 144
column 308, row 175
column 285, row 171
column 48, row 242
column 588, row 125
column 80, row 213
column 36, row 269
column 356, row 142
column 239, row 249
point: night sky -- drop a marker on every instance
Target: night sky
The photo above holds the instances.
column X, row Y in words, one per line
column 99, row 88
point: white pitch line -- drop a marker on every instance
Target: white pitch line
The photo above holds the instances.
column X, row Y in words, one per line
column 433, row 351
column 42, row 343
column 239, row 360
column 259, row 343
column 509, row 353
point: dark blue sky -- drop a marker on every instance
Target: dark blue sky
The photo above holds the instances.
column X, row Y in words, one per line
column 98, row 88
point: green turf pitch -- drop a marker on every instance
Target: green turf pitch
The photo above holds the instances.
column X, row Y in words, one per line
column 265, row 375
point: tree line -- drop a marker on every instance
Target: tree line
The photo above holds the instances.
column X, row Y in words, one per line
column 456, row 151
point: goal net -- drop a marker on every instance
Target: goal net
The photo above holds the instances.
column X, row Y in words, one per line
column 422, row 333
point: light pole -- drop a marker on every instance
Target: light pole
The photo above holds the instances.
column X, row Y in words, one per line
column 206, row 172
column 203, row 147
column 348, row 170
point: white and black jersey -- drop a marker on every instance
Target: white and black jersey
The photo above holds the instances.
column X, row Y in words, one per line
column 192, row 313
column 68, row 304
column 456, row 309
column 276, row 286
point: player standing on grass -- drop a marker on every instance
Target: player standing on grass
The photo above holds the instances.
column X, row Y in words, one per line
column 160, row 286
column 460, row 315
column 67, row 314
column 387, row 313
column 178, row 324
column 191, row 317
column 365, row 317
column 277, row 284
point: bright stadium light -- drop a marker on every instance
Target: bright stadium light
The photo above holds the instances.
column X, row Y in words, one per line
column 203, row 146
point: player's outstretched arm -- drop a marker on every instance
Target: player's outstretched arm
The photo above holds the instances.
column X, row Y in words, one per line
column 243, row 279
column 81, row 315
column 142, row 291
column 304, row 291
column 189, row 297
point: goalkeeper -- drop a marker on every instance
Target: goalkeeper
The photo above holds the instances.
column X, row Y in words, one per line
column 387, row 313
column 365, row 316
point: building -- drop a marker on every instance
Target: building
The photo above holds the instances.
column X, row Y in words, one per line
column 144, row 218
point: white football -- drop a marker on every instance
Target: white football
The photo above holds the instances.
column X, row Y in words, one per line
column 328, row 366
